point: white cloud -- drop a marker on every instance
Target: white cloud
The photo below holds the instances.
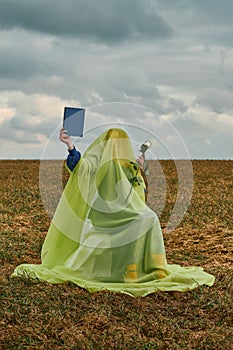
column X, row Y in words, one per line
column 28, row 117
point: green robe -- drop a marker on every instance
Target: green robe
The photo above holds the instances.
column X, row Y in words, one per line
column 103, row 236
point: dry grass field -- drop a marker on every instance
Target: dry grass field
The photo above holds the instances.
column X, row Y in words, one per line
column 36, row 315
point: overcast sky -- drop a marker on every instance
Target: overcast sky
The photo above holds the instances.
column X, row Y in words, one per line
column 163, row 67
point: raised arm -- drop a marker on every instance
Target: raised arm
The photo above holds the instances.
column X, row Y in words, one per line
column 74, row 155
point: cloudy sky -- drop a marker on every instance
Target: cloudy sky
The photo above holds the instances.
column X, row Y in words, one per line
column 162, row 69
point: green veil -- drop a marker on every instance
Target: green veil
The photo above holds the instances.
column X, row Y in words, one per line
column 103, row 236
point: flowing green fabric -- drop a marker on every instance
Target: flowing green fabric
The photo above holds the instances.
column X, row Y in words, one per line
column 103, row 236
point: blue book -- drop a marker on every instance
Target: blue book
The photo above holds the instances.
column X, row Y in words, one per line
column 73, row 121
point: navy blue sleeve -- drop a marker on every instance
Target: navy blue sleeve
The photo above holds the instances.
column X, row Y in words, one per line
column 73, row 158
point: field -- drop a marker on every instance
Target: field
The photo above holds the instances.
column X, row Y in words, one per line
column 36, row 315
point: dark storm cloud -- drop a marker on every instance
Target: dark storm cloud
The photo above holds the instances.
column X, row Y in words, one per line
column 25, row 55
column 104, row 20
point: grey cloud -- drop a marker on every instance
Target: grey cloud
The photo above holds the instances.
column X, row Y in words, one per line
column 21, row 129
column 106, row 21
column 15, row 64
column 203, row 136
column 188, row 123
column 208, row 22
column 217, row 100
column 113, row 72
column 21, row 136
column 26, row 124
column 219, row 12
column 161, row 103
column 25, row 55
column 51, row 51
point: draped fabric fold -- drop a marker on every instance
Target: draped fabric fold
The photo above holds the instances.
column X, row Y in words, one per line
column 103, row 236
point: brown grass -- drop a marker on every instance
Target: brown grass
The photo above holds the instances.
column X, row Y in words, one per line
column 42, row 316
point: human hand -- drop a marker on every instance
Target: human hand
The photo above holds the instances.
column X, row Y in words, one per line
column 65, row 138
column 140, row 161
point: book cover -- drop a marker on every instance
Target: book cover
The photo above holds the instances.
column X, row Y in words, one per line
column 73, row 121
